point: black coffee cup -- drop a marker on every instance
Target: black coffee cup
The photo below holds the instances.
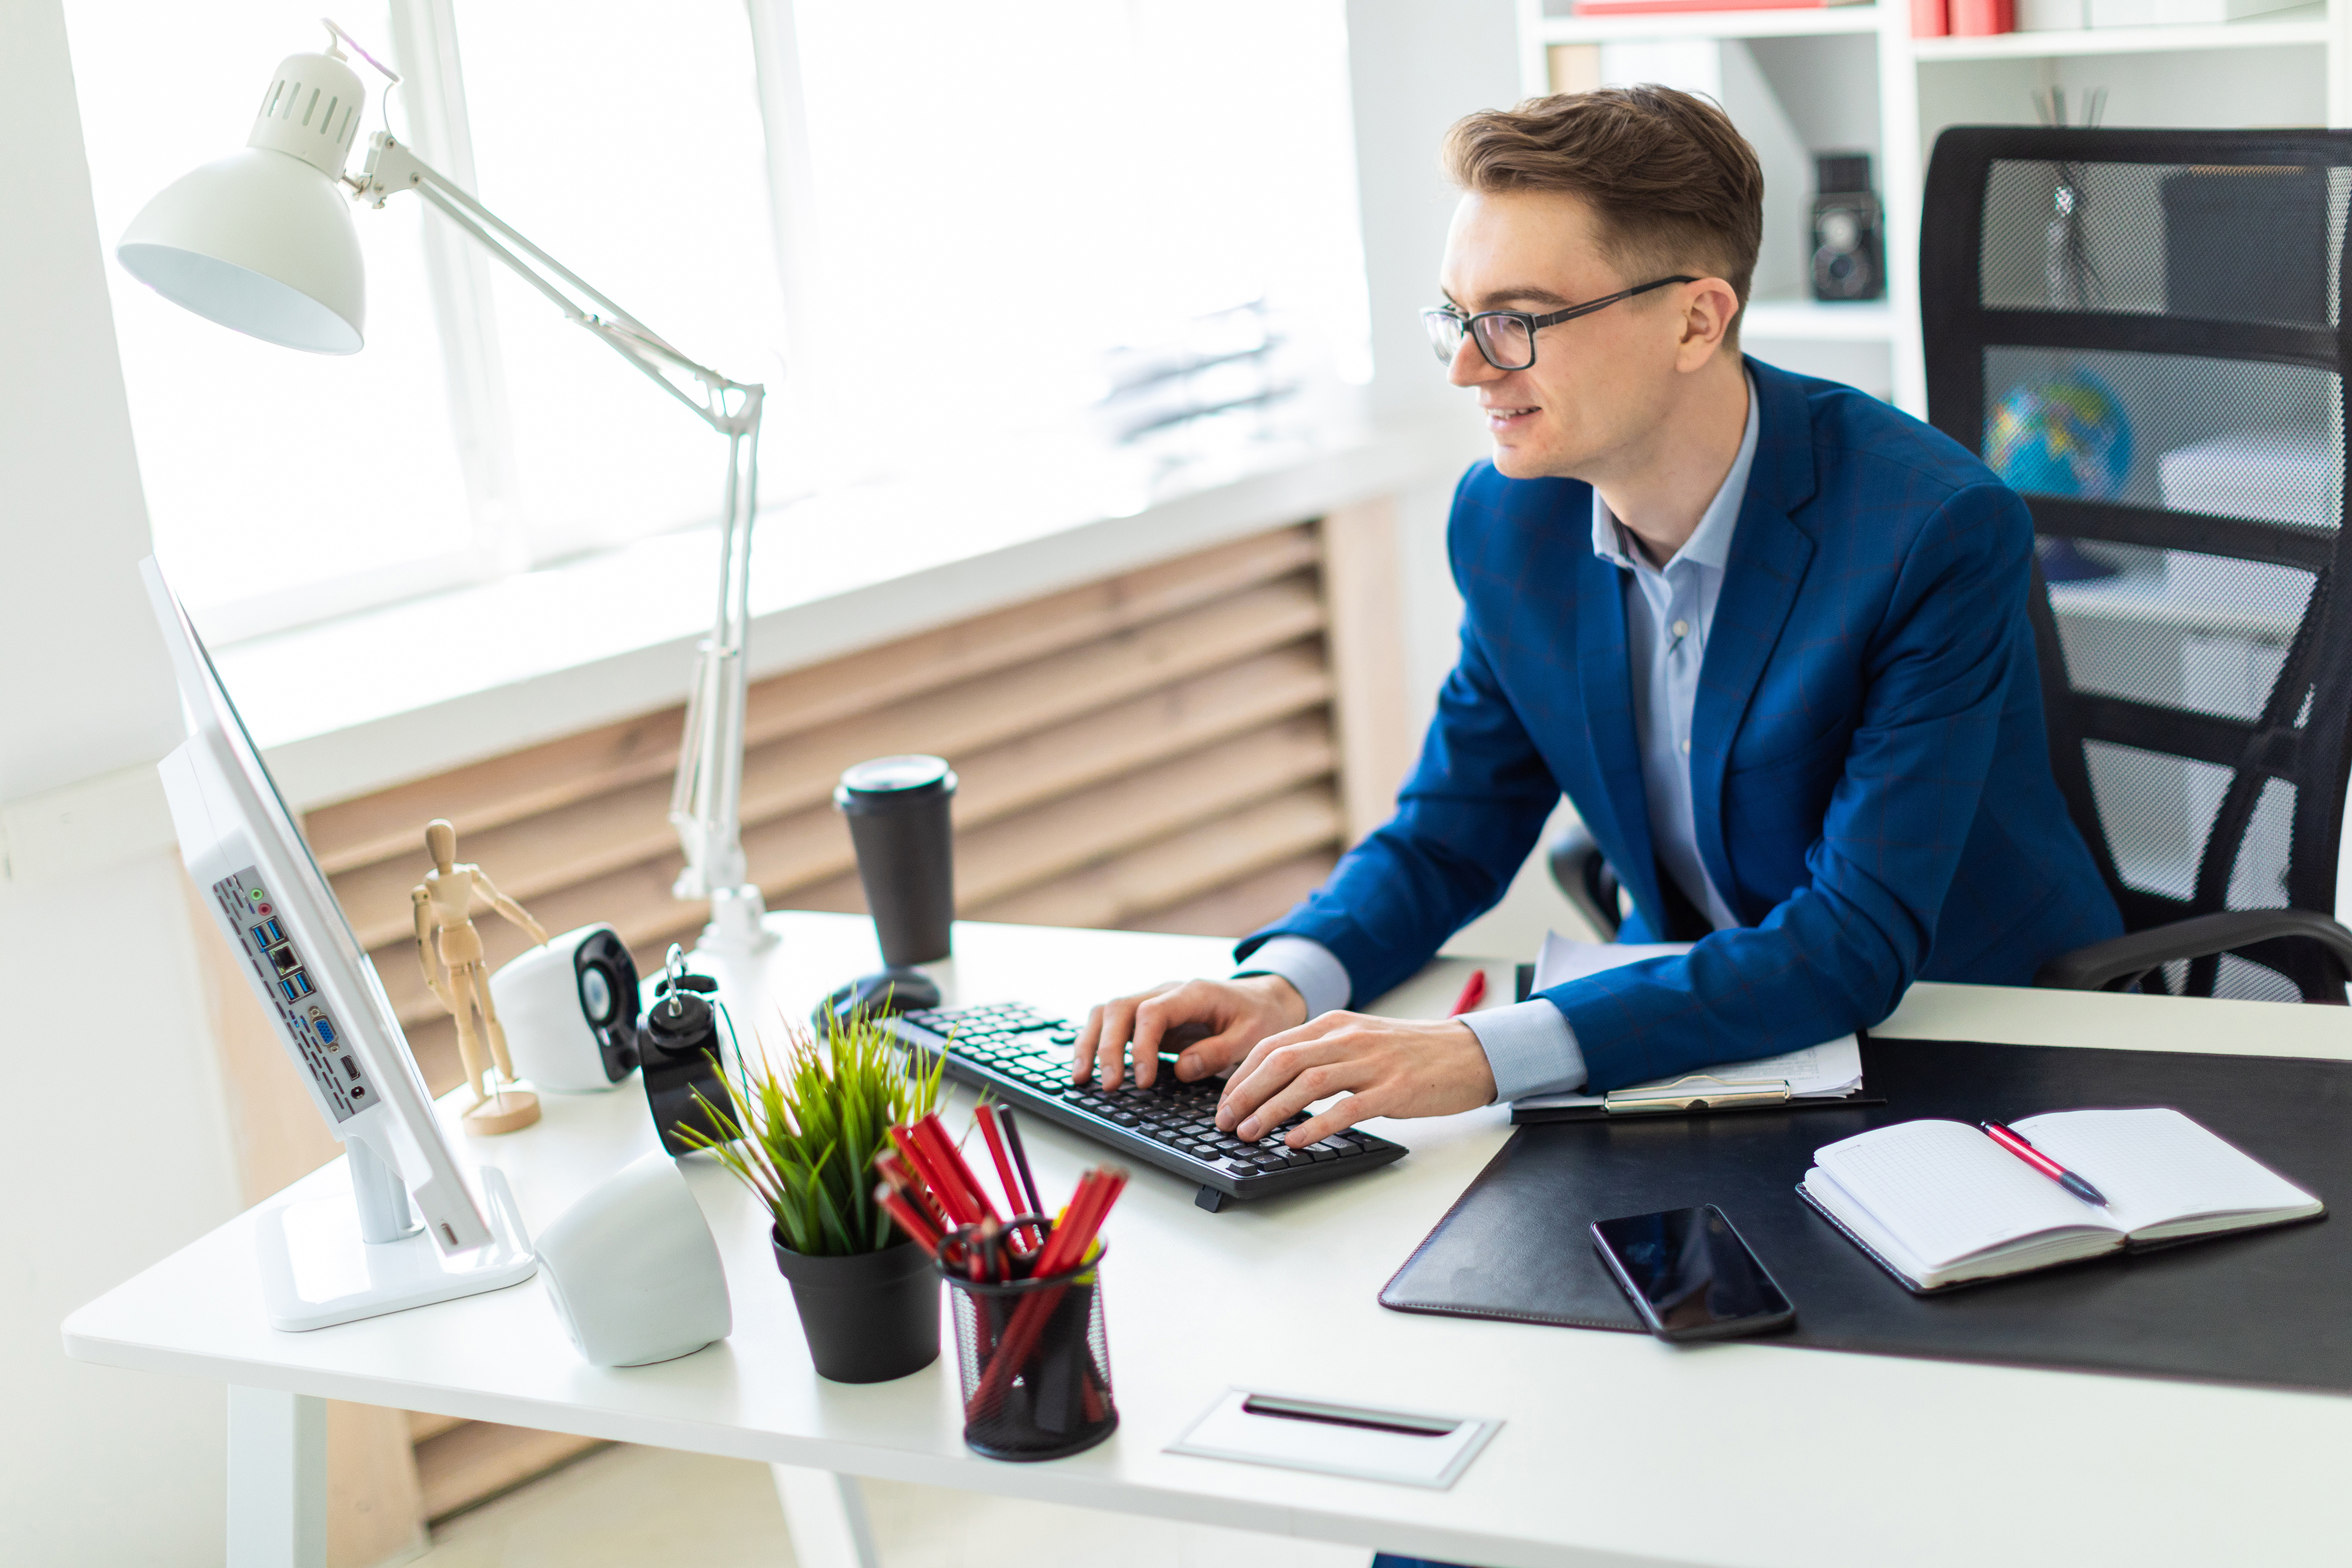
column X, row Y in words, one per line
column 897, row 811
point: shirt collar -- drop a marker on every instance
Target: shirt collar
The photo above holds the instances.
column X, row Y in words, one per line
column 1710, row 543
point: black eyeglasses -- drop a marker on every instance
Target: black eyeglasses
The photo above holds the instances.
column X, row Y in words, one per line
column 1507, row 338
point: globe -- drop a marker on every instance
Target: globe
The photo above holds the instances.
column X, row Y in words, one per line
column 2066, row 437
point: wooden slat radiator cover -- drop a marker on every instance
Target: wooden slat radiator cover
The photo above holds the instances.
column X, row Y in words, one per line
column 1158, row 750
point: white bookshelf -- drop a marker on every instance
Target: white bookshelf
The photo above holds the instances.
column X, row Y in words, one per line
column 2285, row 67
column 2304, row 25
column 1795, row 22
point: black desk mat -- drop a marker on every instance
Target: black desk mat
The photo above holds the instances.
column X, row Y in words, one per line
column 2269, row 1307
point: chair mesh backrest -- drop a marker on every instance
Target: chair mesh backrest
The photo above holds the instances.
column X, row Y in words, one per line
column 2143, row 332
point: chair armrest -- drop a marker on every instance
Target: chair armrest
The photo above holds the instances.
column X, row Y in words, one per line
column 2117, row 965
column 1578, row 867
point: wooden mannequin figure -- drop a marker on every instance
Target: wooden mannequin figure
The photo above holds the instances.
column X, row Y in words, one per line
column 450, row 950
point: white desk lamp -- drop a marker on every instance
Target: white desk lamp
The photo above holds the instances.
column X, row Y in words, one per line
column 263, row 240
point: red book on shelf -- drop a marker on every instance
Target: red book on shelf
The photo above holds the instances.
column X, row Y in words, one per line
column 1981, row 18
column 1929, row 19
column 1650, row 7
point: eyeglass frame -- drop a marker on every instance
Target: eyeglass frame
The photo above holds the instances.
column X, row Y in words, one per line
column 1533, row 323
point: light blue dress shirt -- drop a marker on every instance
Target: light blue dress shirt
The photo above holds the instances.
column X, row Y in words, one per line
column 1669, row 610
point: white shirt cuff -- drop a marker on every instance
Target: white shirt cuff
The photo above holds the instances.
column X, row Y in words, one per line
column 1312, row 971
column 1530, row 1048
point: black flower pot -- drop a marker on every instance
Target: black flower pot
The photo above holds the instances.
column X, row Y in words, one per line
column 869, row 1318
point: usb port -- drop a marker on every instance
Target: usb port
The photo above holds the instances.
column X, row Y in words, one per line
column 267, row 934
column 326, row 1031
column 296, row 986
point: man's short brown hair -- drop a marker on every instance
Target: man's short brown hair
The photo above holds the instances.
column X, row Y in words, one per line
column 1675, row 187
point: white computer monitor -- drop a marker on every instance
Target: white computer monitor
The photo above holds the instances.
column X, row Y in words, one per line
column 328, row 1006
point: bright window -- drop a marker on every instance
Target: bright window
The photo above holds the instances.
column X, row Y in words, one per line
column 941, row 230
column 283, row 485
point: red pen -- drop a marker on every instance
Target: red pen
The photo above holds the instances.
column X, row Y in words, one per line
column 2016, row 1144
column 1473, row 991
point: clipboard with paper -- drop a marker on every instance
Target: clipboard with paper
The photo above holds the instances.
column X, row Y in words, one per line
column 1817, row 1075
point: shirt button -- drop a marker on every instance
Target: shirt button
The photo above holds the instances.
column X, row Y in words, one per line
column 1682, row 627
column 1685, row 748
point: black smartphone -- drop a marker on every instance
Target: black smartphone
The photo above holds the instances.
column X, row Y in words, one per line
column 1690, row 1275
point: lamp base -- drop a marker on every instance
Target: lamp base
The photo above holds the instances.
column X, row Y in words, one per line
column 738, row 927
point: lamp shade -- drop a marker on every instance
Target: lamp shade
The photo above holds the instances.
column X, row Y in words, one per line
column 262, row 240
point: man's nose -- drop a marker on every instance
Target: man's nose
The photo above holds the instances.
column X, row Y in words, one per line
column 1469, row 367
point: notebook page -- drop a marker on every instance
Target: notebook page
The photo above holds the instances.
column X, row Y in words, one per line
column 1947, row 1190
column 2156, row 1167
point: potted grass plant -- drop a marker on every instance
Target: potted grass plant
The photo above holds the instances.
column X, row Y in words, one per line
column 801, row 1129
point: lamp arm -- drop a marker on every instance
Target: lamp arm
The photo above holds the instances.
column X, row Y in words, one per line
column 706, row 802
column 391, row 168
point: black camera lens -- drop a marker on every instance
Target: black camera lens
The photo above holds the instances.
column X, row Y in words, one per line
column 597, row 994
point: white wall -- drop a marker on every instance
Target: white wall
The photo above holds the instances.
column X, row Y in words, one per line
column 113, row 1139
column 1414, row 68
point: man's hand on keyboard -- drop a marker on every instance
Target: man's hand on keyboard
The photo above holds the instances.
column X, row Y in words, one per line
column 1384, row 1067
column 1218, row 1021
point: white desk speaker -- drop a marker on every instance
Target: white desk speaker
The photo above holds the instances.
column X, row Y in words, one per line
column 633, row 1271
column 569, row 1009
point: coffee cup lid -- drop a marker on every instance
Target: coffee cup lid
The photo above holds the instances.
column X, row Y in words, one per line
column 883, row 783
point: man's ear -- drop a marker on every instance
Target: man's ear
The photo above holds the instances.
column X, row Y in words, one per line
column 1709, row 307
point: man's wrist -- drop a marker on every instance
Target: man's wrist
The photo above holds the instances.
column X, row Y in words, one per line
column 1314, row 972
column 1279, row 991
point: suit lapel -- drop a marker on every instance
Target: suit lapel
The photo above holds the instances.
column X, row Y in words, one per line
column 1769, row 556
column 1607, row 683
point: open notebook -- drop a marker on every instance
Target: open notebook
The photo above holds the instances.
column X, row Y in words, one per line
column 1939, row 1203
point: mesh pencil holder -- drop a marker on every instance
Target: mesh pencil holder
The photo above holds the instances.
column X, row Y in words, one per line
column 1034, row 1362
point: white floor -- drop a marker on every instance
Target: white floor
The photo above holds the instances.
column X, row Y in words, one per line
column 629, row 1507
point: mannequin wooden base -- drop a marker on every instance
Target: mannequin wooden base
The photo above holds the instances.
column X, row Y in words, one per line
column 508, row 1111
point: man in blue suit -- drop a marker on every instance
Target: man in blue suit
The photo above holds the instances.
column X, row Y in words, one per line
column 1768, row 634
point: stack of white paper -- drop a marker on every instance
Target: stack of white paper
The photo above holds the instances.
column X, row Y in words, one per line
column 1824, row 1071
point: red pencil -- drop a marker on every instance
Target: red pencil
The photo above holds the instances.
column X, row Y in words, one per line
column 932, row 1133
column 986, row 1116
column 916, row 1228
column 943, row 1189
column 1473, row 991
column 892, row 1169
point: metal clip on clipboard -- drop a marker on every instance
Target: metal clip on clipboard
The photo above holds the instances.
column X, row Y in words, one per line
column 1697, row 1091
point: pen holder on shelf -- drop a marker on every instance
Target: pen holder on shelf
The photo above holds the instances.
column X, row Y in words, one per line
column 1034, row 1362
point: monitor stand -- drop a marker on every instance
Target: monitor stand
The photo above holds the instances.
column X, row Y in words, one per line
column 320, row 1268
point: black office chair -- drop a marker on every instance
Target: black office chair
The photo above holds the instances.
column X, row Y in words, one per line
column 2195, row 648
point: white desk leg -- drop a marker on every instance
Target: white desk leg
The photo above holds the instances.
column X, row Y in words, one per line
column 825, row 1514
column 276, row 1479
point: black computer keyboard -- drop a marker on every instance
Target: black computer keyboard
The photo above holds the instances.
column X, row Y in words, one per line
column 1024, row 1057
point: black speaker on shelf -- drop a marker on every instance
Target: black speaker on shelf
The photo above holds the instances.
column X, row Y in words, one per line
column 1848, row 229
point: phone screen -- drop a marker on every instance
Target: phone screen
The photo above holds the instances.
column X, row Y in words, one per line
column 1691, row 1274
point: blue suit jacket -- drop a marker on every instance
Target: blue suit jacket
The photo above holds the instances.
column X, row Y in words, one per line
column 1871, row 779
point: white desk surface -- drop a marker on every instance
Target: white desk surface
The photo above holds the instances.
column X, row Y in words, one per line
column 1617, row 1448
